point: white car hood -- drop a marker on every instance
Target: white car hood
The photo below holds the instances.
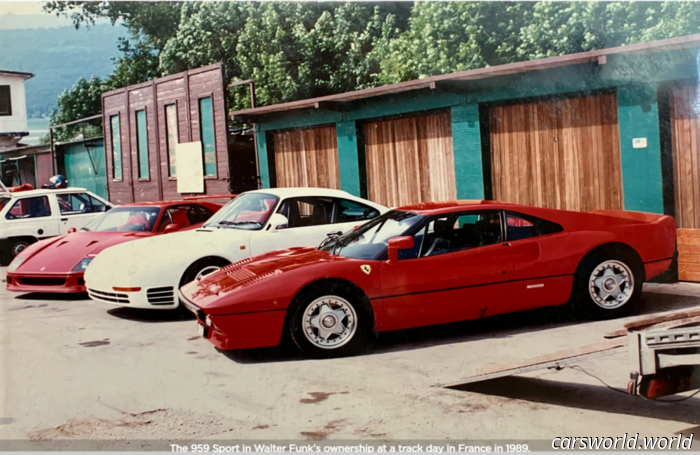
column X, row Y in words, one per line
column 161, row 260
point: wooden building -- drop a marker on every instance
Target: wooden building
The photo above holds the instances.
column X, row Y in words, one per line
column 615, row 128
column 143, row 124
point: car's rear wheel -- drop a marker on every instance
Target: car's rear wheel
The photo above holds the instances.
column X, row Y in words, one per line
column 607, row 285
column 331, row 321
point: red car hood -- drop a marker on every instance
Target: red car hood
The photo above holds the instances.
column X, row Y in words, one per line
column 61, row 254
column 212, row 288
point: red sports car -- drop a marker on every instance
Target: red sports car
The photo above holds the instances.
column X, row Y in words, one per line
column 430, row 264
column 58, row 264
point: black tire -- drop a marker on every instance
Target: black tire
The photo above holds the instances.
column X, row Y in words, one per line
column 191, row 274
column 583, row 302
column 212, row 263
column 351, row 304
column 14, row 246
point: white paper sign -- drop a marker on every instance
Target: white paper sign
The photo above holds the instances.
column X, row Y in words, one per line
column 639, row 143
column 190, row 171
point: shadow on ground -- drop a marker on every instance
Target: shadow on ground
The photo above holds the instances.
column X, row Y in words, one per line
column 587, row 397
column 151, row 316
column 52, row 296
column 501, row 326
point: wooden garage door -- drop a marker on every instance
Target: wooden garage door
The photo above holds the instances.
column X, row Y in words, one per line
column 307, row 158
column 562, row 154
column 685, row 126
column 410, row 160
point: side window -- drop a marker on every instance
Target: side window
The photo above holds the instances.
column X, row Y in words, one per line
column 97, row 205
column 307, row 211
column 74, row 203
column 461, row 231
column 30, row 207
column 520, row 227
column 349, row 211
column 204, row 213
column 182, row 215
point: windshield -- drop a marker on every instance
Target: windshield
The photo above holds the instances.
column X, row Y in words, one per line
column 3, row 202
column 125, row 219
column 248, row 211
column 371, row 240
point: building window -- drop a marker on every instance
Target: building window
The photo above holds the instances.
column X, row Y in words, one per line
column 116, row 148
column 5, row 100
column 142, row 144
column 171, row 135
column 206, row 134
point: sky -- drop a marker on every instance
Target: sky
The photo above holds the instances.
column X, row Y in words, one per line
column 20, row 8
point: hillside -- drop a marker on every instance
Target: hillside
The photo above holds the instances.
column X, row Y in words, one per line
column 58, row 57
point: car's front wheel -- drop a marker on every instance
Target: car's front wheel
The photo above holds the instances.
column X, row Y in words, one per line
column 331, row 321
column 201, row 268
column 607, row 285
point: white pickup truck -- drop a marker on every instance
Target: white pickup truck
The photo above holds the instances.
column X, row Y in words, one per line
column 29, row 216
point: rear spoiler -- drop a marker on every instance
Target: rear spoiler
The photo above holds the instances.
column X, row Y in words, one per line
column 635, row 216
column 221, row 196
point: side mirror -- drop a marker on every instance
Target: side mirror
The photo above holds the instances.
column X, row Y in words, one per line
column 399, row 243
column 72, row 230
column 278, row 221
column 171, row 228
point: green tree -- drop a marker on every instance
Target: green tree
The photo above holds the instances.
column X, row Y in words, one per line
column 83, row 100
column 568, row 27
column 444, row 37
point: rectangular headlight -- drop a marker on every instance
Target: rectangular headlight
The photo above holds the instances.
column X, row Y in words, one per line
column 14, row 265
column 82, row 265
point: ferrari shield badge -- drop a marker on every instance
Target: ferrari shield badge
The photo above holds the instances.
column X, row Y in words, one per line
column 366, row 268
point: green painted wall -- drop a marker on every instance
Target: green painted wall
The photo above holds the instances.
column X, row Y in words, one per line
column 264, row 170
column 638, row 117
column 206, row 132
column 86, row 171
column 116, row 147
column 348, row 159
column 466, row 143
column 142, row 144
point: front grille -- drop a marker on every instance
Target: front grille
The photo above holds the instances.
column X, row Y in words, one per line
column 41, row 281
column 108, row 296
column 161, row 296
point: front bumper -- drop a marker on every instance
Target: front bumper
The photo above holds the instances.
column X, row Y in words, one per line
column 153, row 298
column 70, row 282
column 240, row 331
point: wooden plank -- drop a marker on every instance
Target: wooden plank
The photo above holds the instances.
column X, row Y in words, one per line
column 688, row 267
column 555, row 356
column 685, row 240
column 689, row 258
column 647, row 321
column 676, row 323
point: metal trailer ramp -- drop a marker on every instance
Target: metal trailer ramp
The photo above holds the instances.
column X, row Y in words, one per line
column 555, row 360
column 615, row 342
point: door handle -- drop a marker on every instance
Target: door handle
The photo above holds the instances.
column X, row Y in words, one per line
column 506, row 244
column 64, row 219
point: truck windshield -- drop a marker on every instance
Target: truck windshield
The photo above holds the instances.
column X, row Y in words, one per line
column 370, row 241
column 248, row 211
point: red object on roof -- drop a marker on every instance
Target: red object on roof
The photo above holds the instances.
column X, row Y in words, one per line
column 22, row 187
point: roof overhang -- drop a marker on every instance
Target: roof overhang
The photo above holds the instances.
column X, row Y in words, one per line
column 336, row 102
column 23, row 75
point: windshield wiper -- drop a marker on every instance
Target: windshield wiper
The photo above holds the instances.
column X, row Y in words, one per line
column 332, row 237
column 84, row 229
